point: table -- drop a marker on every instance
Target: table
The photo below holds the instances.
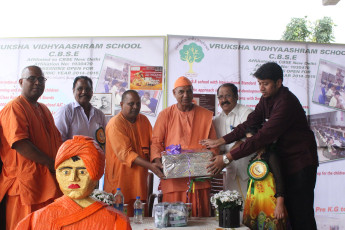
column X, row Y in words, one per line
column 197, row 223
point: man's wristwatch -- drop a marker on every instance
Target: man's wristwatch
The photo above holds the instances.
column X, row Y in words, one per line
column 225, row 160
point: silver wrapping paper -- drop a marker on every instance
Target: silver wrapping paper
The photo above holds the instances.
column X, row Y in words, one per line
column 190, row 163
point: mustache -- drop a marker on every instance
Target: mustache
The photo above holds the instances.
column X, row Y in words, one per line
column 226, row 102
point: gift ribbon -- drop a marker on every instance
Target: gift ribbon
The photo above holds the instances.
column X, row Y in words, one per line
column 250, row 187
column 192, row 184
column 173, row 149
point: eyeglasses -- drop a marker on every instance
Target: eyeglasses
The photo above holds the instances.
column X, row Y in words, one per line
column 221, row 97
column 33, row 79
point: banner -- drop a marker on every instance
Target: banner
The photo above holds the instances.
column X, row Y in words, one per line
column 313, row 72
column 106, row 60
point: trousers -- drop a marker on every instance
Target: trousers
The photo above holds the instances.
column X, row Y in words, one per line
column 299, row 200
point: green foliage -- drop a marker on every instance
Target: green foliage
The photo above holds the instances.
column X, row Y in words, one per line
column 323, row 30
column 301, row 29
column 297, row 30
column 191, row 53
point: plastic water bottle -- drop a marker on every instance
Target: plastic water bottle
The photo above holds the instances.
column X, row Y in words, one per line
column 138, row 210
column 118, row 200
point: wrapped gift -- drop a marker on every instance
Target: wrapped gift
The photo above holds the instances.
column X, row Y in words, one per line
column 186, row 163
column 170, row 214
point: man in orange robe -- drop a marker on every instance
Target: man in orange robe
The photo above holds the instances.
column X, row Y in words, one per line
column 127, row 155
column 29, row 143
column 79, row 165
column 183, row 123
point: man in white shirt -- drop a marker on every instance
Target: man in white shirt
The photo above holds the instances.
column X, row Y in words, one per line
column 232, row 115
column 80, row 117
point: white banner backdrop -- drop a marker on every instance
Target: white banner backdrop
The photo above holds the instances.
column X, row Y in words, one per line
column 105, row 59
column 310, row 70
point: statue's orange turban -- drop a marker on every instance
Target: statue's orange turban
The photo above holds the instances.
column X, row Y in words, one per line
column 182, row 81
column 88, row 150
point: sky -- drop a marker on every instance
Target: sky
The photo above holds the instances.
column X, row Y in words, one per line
column 253, row 19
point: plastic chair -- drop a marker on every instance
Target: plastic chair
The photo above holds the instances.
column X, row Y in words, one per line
column 217, row 185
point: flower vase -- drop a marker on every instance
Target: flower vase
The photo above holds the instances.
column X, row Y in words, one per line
column 229, row 218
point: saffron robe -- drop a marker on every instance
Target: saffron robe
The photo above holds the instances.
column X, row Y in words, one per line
column 125, row 142
column 174, row 127
column 23, row 181
column 65, row 214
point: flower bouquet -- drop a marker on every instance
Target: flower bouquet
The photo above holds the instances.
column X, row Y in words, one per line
column 229, row 204
column 105, row 197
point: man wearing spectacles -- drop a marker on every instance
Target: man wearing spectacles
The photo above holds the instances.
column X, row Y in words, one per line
column 29, row 144
column 232, row 115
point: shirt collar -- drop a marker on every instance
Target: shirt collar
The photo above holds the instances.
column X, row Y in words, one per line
column 76, row 105
column 235, row 110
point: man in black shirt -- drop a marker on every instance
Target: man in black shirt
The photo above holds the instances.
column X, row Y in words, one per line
column 284, row 122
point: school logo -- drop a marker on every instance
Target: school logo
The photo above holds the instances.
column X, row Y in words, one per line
column 191, row 53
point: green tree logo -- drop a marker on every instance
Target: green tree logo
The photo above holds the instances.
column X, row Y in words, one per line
column 191, row 53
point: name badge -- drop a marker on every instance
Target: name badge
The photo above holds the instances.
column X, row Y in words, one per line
column 100, row 137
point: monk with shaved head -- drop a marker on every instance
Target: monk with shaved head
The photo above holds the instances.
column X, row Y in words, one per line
column 183, row 123
column 79, row 165
column 127, row 154
column 29, row 143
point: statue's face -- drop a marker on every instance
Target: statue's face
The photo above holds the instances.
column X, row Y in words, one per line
column 74, row 180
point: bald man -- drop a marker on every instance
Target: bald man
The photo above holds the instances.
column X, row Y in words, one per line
column 29, row 143
column 127, row 155
column 183, row 123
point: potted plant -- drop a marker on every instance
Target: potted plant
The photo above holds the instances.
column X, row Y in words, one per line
column 229, row 204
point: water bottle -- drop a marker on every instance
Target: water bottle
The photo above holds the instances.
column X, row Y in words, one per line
column 138, row 210
column 118, row 200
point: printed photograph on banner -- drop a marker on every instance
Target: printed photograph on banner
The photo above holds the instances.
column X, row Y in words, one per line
column 146, row 77
column 102, row 101
column 149, row 101
column 329, row 130
column 329, row 87
column 114, row 79
column 208, row 101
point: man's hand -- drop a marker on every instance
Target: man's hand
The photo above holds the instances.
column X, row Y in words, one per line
column 212, row 143
column 217, row 165
column 156, row 168
column 158, row 161
column 279, row 210
column 28, row 150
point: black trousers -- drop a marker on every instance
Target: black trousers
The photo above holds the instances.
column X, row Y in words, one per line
column 299, row 200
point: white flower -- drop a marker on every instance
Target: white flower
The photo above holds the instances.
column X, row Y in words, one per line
column 227, row 198
column 107, row 198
